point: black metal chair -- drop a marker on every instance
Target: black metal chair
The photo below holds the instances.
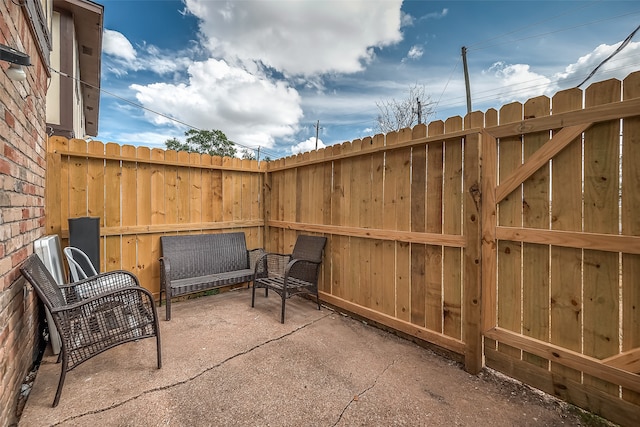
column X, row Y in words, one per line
column 291, row 274
column 95, row 314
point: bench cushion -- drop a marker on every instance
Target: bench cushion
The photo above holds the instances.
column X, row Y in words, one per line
column 194, row 284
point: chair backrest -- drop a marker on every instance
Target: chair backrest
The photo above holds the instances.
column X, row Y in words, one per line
column 80, row 266
column 43, row 282
column 309, row 248
column 204, row 254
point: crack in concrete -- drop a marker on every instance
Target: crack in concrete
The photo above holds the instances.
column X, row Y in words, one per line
column 199, row 374
column 363, row 392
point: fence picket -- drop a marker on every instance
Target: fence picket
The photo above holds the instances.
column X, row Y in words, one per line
column 112, row 211
column 600, row 289
column 354, row 196
column 338, row 243
column 566, row 263
column 365, row 221
column 510, row 213
column 78, row 170
column 631, row 226
column 183, row 193
column 95, row 182
column 195, row 189
column 452, row 210
column 171, row 187
column 418, row 218
column 377, row 212
column 433, row 253
column 535, row 276
column 142, row 245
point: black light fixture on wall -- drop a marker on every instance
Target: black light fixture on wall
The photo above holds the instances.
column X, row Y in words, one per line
column 16, row 59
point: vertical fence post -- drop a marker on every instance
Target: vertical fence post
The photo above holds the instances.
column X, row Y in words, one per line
column 472, row 254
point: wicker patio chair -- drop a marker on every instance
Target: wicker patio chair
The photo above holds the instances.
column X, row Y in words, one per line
column 95, row 314
column 293, row 274
column 80, row 266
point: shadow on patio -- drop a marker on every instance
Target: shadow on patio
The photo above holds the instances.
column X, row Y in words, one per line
column 225, row 363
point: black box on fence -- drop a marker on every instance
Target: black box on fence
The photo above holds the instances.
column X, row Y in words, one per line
column 84, row 234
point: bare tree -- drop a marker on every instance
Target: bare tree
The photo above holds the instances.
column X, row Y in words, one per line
column 247, row 154
column 407, row 112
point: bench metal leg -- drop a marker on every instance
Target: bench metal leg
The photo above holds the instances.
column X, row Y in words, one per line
column 253, row 295
column 284, row 299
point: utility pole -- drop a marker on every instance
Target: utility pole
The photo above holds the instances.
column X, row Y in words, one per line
column 317, row 126
column 466, row 78
column 419, row 111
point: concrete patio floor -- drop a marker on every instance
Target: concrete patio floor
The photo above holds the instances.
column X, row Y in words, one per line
column 225, row 363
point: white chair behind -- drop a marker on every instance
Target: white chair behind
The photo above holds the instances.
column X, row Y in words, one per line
column 76, row 259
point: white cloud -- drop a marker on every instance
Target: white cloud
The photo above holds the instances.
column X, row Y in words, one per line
column 249, row 109
column 516, row 81
column 407, row 20
column 303, row 41
column 299, row 37
column 435, row 15
column 117, row 45
column 308, row 145
column 618, row 67
column 415, row 52
column 148, row 139
column 122, row 57
column 520, row 82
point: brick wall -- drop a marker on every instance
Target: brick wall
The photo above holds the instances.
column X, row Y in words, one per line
column 22, row 171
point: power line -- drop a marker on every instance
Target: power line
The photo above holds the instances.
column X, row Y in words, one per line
column 455, row 67
column 514, row 89
column 555, row 31
column 173, row 119
column 492, row 94
column 615, row 52
column 571, row 11
column 459, row 101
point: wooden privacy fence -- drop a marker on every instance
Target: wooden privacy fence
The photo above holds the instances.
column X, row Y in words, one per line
column 510, row 237
column 140, row 194
column 403, row 227
column 530, row 214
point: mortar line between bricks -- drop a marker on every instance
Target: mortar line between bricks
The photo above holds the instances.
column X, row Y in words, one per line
column 199, row 374
column 363, row 392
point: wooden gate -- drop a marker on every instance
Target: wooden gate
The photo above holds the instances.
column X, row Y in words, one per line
column 561, row 256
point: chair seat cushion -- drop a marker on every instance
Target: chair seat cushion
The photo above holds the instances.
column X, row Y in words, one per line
column 277, row 283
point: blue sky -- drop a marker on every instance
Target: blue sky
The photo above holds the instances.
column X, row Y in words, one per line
column 265, row 71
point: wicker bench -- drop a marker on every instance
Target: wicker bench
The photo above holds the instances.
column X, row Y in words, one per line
column 195, row 263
